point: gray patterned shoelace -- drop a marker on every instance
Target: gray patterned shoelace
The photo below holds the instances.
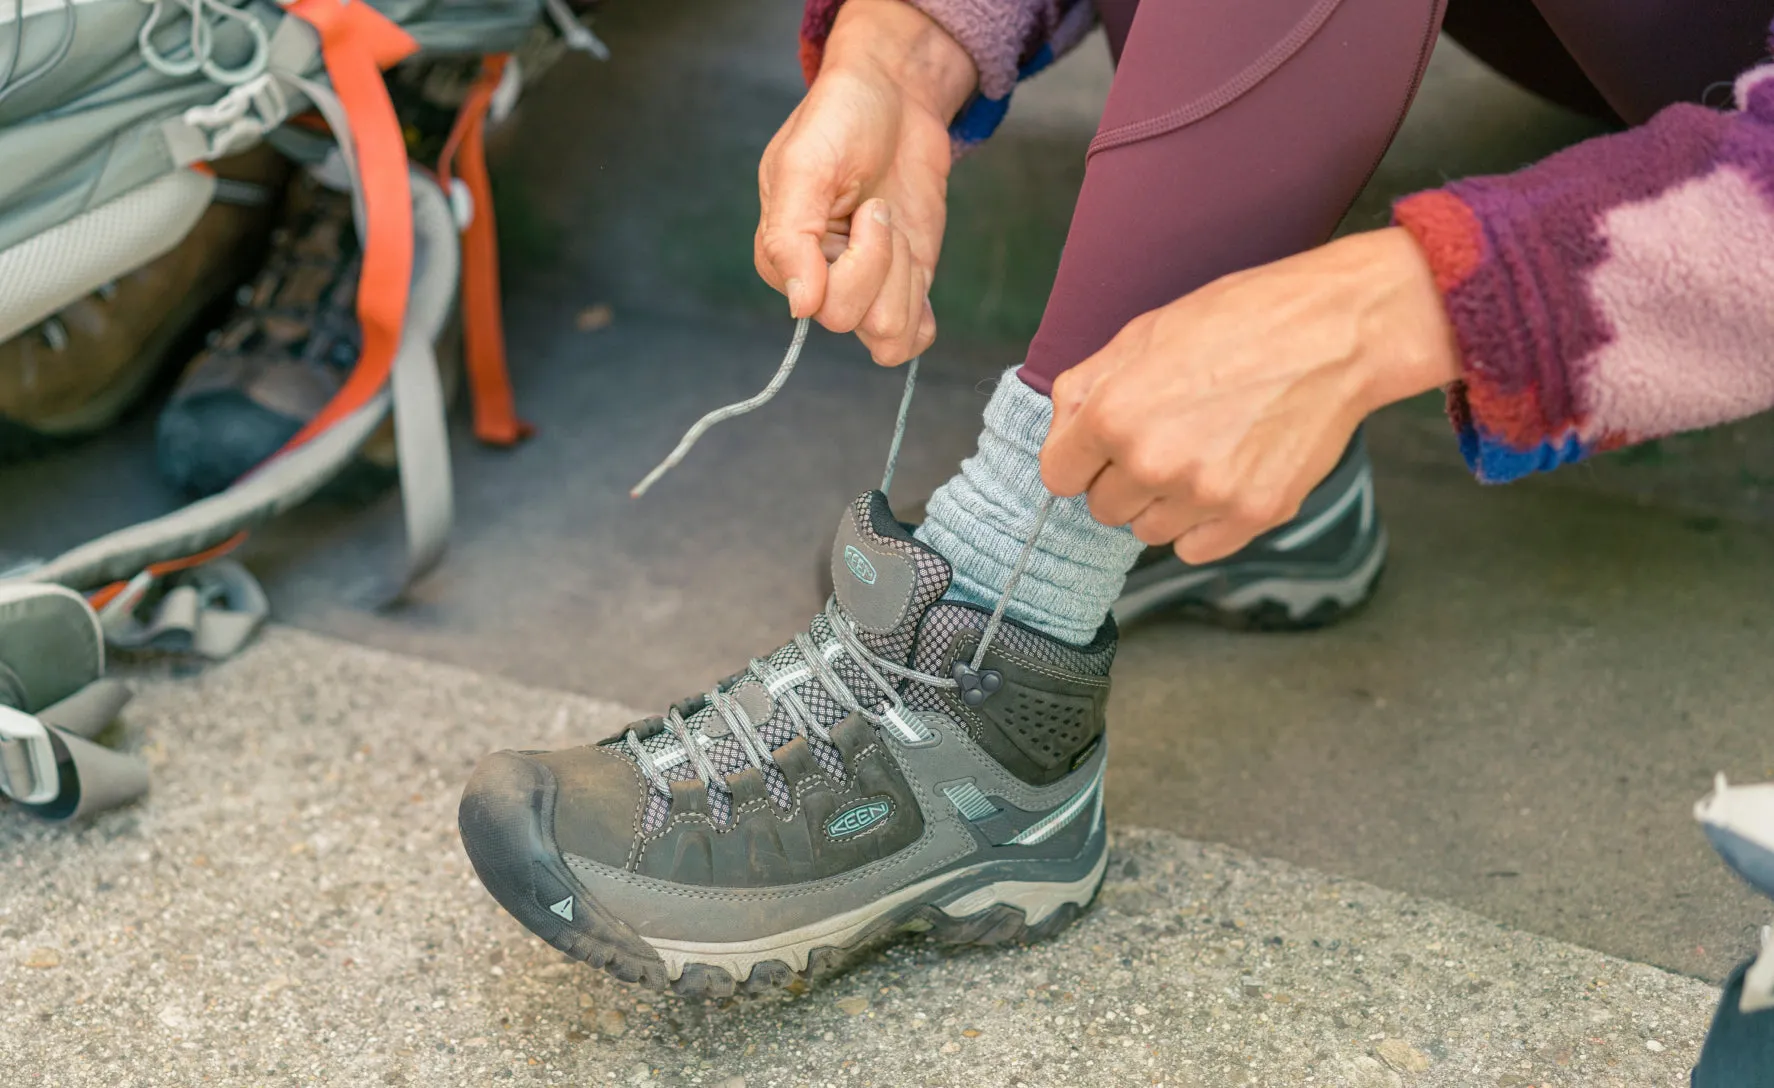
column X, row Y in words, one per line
column 890, row 711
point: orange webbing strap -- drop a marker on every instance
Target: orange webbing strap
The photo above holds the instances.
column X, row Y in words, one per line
column 483, row 329
column 99, row 598
column 357, row 42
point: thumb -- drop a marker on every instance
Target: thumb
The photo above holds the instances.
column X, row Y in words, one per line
column 1071, row 389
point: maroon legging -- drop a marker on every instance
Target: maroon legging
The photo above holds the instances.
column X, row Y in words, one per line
column 1238, row 132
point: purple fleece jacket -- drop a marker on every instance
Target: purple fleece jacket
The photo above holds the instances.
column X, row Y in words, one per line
column 1620, row 290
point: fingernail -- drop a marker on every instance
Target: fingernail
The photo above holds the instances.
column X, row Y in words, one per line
column 795, row 289
column 881, row 213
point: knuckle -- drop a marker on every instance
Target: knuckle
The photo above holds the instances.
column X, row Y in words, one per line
column 1148, row 467
column 839, row 318
column 1106, row 420
column 776, row 245
column 1257, row 511
column 881, row 326
column 1149, row 533
column 1212, row 490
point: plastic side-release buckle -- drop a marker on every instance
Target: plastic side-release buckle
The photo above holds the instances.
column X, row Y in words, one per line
column 242, row 117
column 28, row 771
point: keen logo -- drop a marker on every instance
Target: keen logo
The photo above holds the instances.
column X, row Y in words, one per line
column 859, row 565
column 859, row 818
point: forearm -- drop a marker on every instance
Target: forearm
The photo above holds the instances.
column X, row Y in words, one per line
column 1005, row 40
column 1618, row 291
column 915, row 52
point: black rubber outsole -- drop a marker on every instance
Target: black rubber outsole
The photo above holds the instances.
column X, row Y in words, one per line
column 503, row 817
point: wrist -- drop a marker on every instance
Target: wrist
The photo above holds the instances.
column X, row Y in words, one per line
column 1419, row 349
column 909, row 48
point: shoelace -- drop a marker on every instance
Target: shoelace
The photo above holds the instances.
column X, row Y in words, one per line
column 781, row 683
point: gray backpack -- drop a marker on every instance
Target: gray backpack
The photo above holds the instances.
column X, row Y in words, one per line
column 109, row 111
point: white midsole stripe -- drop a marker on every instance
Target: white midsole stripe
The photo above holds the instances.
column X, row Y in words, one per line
column 1054, row 822
column 1312, row 530
column 1037, row 900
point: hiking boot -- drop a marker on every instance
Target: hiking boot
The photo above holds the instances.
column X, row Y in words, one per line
column 288, row 347
column 77, row 372
column 876, row 776
column 1310, row 572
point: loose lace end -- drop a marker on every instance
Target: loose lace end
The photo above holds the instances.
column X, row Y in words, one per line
column 721, row 415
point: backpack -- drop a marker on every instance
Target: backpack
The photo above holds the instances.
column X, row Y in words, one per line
column 109, row 112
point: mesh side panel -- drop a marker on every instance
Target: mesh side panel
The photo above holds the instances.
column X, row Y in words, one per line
column 944, row 621
column 660, row 744
column 47, row 271
column 728, row 756
column 777, row 786
column 830, row 760
column 658, row 808
column 930, row 579
column 720, row 806
column 930, row 582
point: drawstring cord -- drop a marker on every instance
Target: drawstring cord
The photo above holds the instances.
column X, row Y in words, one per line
column 202, row 42
column 70, row 23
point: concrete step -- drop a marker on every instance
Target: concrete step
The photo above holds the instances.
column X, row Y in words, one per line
column 292, row 906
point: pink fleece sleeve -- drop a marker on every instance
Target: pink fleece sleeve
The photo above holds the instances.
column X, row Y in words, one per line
column 1620, row 290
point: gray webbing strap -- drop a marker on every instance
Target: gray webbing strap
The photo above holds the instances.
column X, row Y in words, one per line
column 422, row 437
column 67, row 775
column 210, row 611
column 280, row 485
column 53, row 700
column 421, row 424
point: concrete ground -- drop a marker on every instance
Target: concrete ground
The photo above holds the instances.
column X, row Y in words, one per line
column 1516, row 728
column 291, row 906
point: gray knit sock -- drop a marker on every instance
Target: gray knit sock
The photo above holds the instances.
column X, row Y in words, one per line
column 981, row 518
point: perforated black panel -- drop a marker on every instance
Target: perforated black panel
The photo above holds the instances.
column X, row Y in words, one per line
column 1049, row 729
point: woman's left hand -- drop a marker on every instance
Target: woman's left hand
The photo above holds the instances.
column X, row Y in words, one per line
column 1206, row 422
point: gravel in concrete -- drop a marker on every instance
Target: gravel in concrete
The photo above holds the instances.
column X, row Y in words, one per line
column 292, row 906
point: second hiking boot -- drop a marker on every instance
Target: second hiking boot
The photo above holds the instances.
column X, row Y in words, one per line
column 876, row 776
column 1310, row 572
column 1313, row 571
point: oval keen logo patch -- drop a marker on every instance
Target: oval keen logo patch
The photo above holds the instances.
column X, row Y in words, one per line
column 859, row 565
column 859, row 817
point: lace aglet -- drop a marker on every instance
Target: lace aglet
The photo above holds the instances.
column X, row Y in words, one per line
column 670, row 462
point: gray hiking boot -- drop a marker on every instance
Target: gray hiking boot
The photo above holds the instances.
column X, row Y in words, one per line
column 876, row 776
column 1312, row 571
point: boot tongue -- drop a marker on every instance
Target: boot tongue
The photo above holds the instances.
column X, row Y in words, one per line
column 884, row 579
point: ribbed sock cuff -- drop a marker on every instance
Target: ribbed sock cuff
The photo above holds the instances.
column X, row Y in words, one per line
column 980, row 519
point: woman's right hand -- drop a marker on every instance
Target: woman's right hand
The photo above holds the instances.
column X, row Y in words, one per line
column 858, row 177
